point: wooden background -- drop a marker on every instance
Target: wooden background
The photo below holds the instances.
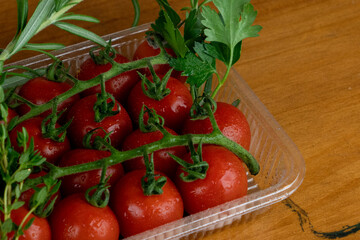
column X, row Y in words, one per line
column 305, row 68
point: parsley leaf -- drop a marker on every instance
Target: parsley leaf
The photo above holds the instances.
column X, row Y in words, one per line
column 224, row 53
column 197, row 68
column 175, row 18
column 232, row 25
column 166, row 28
column 193, row 28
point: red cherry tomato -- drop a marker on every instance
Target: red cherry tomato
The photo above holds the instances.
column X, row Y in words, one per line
column 231, row 121
column 75, row 219
column 225, row 180
column 83, row 121
column 40, row 90
column 26, row 196
column 39, row 229
column 162, row 161
column 136, row 212
column 119, row 86
column 48, row 148
column 146, row 50
column 174, row 107
column 80, row 182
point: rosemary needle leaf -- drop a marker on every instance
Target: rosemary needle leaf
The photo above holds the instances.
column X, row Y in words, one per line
column 22, row 14
column 44, row 46
column 79, row 17
column 41, row 13
column 81, row 32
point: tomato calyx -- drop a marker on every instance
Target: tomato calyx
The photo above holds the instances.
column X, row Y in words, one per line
column 154, row 121
column 105, row 55
column 48, row 125
column 198, row 110
column 151, row 183
column 57, row 72
column 99, row 143
column 195, row 170
column 104, row 104
column 100, row 198
column 155, row 89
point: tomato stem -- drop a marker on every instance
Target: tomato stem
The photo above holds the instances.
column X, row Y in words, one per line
column 223, row 80
column 136, row 6
column 117, row 156
column 79, row 86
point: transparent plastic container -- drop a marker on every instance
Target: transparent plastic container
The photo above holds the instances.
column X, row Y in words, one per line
column 282, row 166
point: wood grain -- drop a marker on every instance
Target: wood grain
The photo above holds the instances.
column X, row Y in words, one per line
column 305, row 68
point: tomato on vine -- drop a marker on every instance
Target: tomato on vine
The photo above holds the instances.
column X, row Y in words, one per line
column 83, row 121
column 137, row 212
column 80, row 182
column 225, row 180
column 74, row 218
column 148, row 50
column 119, row 86
column 173, row 107
column 231, row 121
column 50, row 149
column 162, row 161
column 197, row 43
column 41, row 90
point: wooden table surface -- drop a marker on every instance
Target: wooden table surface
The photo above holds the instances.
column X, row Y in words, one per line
column 305, row 67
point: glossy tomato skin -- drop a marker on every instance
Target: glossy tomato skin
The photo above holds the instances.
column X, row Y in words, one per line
column 26, row 196
column 74, row 218
column 231, row 121
column 39, row 229
column 136, row 212
column 225, row 180
column 174, row 107
column 162, row 161
column 83, row 121
column 119, row 86
column 41, row 90
column 48, row 148
column 80, row 182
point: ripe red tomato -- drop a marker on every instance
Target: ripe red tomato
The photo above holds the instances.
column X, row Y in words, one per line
column 39, row 229
column 174, row 107
column 119, row 86
column 48, row 148
column 80, row 182
column 74, row 218
column 225, row 180
column 231, row 121
column 146, row 50
column 83, row 117
column 136, row 212
column 40, row 90
column 26, row 196
column 162, row 161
